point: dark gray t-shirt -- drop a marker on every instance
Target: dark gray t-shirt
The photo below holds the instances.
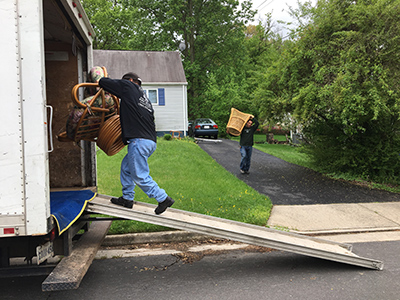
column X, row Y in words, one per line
column 136, row 111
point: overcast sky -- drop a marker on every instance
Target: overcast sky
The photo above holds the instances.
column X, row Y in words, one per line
column 279, row 9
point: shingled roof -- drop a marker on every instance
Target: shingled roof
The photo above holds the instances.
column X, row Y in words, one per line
column 151, row 66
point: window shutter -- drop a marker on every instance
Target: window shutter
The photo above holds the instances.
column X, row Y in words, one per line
column 161, row 96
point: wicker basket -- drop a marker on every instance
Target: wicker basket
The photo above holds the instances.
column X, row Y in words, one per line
column 110, row 136
column 88, row 115
column 237, row 121
column 93, row 116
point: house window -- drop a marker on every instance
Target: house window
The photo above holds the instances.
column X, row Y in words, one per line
column 152, row 94
column 156, row 96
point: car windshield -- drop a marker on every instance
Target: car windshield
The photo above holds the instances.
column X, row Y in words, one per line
column 205, row 121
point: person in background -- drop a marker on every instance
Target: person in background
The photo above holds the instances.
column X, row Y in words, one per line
column 139, row 134
column 246, row 144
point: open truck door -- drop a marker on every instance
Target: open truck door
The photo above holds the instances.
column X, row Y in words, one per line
column 46, row 50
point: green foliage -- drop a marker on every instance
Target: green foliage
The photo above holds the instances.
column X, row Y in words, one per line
column 224, row 93
column 167, row 137
column 339, row 80
column 233, row 85
column 113, row 23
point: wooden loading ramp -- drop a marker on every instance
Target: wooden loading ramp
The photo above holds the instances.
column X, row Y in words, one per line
column 233, row 230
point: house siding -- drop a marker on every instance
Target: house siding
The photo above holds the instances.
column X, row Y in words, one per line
column 158, row 70
column 172, row 115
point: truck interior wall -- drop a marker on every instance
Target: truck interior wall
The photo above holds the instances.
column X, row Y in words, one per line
column 61, row 76
column 67, row 63
column 71, row 165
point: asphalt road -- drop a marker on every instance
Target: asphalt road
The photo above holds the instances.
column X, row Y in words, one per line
column 288, row 184
column 232, row 275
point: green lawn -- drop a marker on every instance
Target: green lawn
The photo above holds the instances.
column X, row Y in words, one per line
column 286, row 152
column 193, row 179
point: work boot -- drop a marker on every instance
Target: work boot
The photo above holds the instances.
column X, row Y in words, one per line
column 122, row 202
column 162, row 206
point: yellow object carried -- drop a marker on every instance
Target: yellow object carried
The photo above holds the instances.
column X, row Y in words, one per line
column 237, row 121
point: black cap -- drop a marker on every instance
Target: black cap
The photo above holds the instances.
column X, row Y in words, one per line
column 133, row 76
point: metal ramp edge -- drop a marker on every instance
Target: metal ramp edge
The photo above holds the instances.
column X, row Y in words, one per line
column 233, row 230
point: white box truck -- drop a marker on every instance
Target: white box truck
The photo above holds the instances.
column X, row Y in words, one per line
column 46, row 49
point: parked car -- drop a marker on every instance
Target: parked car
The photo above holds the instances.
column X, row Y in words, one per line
column 205, row 127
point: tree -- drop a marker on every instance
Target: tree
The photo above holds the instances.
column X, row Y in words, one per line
column 211, row 32
column 113, row 24
column 339, row 79
column 120, row 25
column 232, row 85
column 263, row 49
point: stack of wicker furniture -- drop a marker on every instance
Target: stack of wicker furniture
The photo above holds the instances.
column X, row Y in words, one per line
column 96, row 118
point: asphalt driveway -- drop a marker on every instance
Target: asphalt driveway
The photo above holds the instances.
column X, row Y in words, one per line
column 288, row 184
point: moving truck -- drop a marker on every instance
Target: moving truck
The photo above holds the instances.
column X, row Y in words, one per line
column 46, row 50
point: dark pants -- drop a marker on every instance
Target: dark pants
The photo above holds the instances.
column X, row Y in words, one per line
column 245, row 152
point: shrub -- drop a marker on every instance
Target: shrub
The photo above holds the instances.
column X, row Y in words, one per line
column 167, row 137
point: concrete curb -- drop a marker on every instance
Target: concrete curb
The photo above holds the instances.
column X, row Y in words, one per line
column 346, row 231
column 184, row 236
column 152, row 237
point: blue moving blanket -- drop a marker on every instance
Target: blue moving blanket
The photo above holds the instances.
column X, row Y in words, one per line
column 67, row 206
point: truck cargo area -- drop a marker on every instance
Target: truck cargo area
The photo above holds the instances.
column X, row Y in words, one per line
column 47, row 50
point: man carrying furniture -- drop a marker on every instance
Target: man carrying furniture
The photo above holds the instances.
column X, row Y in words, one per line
column 138, row 132
column 246, row 144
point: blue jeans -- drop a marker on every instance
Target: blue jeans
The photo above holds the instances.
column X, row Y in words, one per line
column 245, row 152
column 135, row 171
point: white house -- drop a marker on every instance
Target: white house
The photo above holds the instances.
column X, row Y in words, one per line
column 163, row 79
